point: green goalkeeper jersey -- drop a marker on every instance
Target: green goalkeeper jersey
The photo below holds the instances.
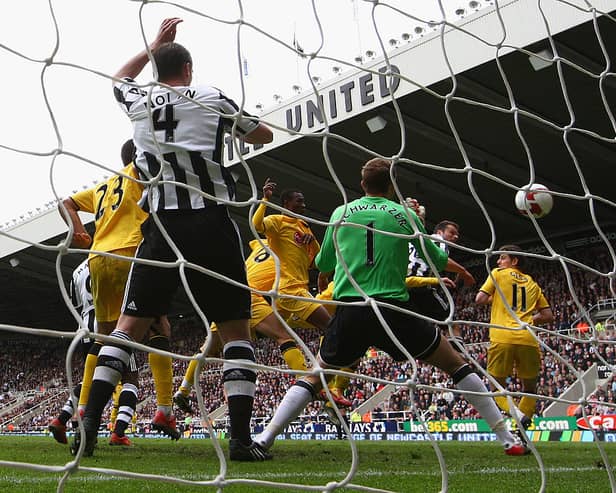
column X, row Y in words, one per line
column 376, row 261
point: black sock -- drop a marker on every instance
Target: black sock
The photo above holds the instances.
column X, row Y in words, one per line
column 112, row 362
column 240, row 388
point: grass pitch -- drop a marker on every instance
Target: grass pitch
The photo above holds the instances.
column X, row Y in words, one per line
column 393, row 466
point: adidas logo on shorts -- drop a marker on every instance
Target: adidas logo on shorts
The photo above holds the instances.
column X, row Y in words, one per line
column 131, row 306
column 235, row 375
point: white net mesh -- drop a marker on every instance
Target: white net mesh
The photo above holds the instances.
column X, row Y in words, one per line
column 428, row 55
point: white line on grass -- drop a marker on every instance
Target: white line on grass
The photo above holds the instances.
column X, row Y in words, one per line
column 92, row 478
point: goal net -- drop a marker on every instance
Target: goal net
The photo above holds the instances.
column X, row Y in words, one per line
column 472, row 101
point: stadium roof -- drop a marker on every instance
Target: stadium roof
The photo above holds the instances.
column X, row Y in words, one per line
column 483, row 126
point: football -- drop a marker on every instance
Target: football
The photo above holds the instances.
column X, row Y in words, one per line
column 537, row 201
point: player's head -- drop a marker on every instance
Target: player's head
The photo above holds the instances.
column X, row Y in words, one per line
column 375, row 177
column 510, row 258
column 293, row 200
column 448, row 230
column 128, row 152
column 174, row 64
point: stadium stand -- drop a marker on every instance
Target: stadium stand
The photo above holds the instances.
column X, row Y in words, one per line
column 31, row 393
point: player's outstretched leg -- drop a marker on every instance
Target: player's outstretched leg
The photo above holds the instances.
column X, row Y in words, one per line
column 294, row 401
column 182, row 397
column 465, row 379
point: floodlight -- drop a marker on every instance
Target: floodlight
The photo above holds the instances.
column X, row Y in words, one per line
column 540, row 63
column 376, row 123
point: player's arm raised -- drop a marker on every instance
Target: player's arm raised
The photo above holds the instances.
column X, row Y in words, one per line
column 166, row 34
column 259, row 215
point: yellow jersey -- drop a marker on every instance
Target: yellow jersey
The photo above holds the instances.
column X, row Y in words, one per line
column 283, row 234
column 117, row 216
column 523, row 295
column 260, row 267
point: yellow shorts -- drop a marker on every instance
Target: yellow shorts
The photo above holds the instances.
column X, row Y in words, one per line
column 502, row 358
column 108, row 279
column 260, row 309
column 327, row 295
column 298, row 309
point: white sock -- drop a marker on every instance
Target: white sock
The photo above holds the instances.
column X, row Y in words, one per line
column 486, row 407
column 516, row 413
column 294, row 401
column 503, row 434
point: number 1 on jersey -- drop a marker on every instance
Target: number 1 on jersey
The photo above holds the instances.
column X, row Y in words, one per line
column 370, row 244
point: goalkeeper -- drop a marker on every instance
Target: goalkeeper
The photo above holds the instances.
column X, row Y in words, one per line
column 378, row 274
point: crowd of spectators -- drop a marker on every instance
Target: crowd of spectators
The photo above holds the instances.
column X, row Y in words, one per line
column 38, row 368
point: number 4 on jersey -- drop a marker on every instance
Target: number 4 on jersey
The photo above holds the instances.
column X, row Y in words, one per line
column 166, row 123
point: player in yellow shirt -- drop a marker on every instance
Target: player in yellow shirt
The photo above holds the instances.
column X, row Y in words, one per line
column 118, row 219
column 260, row 274
column 512, row 345
column 296, row 247
column 293, row 242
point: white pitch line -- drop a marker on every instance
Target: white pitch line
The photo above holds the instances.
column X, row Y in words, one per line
column 289, row 475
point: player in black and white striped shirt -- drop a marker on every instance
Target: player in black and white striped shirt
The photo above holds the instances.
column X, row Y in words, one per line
column 189, row 124
column 81, row 298
column 185, row 147
column 431, row 300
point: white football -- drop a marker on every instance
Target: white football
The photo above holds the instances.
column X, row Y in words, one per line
column 537, row 201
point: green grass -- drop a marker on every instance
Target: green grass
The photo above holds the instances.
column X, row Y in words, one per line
column 395, row 466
